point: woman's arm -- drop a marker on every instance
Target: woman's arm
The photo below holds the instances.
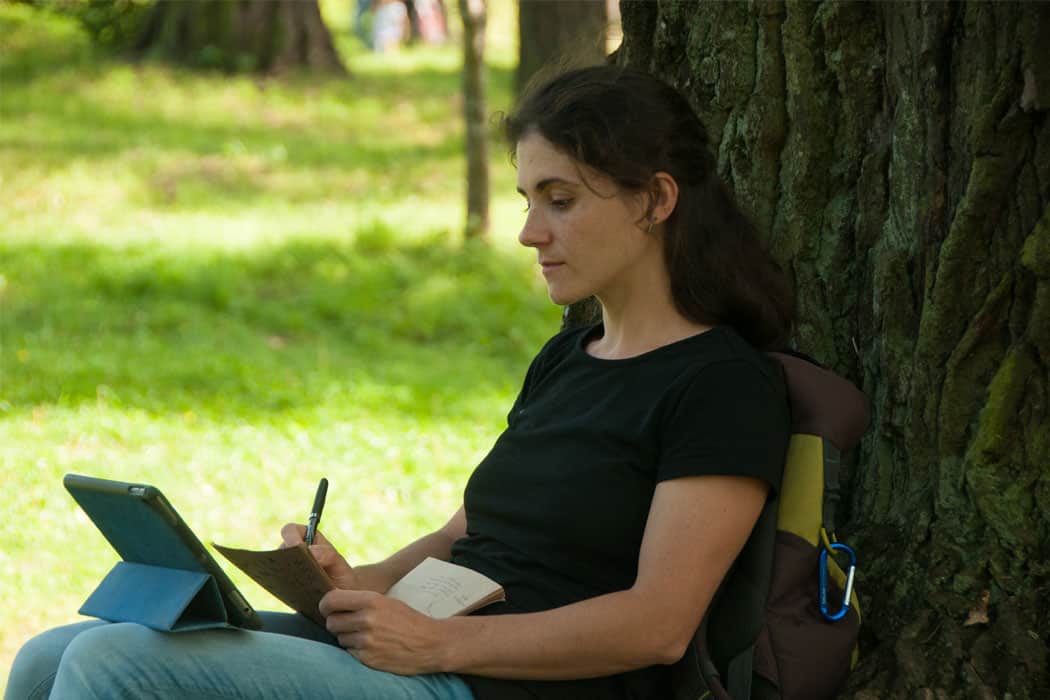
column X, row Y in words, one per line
column 437, row 544
column 696, row 528
column 379, row 577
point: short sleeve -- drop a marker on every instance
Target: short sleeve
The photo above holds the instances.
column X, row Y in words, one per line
column 731, row 419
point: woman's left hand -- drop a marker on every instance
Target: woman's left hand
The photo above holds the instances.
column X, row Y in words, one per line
column 382, row 632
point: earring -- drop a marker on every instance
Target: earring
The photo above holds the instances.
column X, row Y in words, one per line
column 649, row 230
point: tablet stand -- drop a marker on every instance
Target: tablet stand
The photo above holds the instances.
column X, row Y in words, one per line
column 170, row 600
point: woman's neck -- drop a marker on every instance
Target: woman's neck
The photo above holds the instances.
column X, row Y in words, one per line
column 639, row 313
column 638, row 329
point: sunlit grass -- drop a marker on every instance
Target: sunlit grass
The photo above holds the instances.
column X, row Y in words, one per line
column 230, row 287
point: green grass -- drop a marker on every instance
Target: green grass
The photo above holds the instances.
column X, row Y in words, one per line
column 230, row 287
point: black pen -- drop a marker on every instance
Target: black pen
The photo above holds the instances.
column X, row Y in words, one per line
column 315, row 512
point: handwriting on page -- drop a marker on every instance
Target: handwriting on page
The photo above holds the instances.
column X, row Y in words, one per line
column 292, row 575
column 440, row 592
column 440, row 589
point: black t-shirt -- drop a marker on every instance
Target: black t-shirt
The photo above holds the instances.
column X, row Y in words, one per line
column 557, row 510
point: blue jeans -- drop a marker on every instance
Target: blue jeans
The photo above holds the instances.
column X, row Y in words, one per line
column 291, row 658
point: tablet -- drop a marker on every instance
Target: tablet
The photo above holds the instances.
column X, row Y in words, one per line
column 144, row 528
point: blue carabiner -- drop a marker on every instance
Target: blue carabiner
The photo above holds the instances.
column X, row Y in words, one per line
column 850, row 571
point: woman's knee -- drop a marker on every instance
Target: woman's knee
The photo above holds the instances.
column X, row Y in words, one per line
column 100, row 657
column 36, row 663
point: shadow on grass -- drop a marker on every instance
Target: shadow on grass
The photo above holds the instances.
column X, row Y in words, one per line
column 373, row 150
column 417, row 328
column 88, row 141
column 85, row 126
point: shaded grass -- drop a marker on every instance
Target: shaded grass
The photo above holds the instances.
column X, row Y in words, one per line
column 301, row 317
column 223, row 142
column 230, row 287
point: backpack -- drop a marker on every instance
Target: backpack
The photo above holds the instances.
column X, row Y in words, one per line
column 784, row 622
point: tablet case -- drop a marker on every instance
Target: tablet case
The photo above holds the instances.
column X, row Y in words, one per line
column 158, row 597
column 160, row 584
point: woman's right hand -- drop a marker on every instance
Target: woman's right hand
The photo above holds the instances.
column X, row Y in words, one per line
column 337, row 568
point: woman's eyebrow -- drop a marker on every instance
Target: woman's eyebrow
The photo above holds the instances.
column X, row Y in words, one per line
column 547, row 182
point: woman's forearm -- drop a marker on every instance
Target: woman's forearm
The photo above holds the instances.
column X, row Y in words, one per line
column 379, row 577
column 608, row 634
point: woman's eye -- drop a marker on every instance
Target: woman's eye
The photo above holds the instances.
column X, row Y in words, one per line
column 560, row 203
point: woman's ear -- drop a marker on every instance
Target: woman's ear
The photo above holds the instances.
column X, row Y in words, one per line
column 664, row 197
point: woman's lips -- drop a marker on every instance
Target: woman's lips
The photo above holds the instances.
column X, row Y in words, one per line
column 549, row 267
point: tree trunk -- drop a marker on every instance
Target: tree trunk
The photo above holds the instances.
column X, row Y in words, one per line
column 267, row 36
column 559, row 35
column 897, row 155
column 473, row 14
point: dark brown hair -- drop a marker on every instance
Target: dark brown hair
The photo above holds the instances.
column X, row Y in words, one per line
column 629, row 125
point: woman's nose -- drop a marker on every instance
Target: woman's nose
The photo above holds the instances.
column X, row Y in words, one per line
column 534, row 232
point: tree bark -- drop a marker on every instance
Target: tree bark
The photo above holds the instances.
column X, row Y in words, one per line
column 473, row 14
column 266, row 36
column 897, row 156
column 559, row 34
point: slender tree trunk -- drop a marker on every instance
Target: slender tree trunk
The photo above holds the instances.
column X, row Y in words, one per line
column 473, row 14
column 559, row 34
column 268, row 36
column 897, row 155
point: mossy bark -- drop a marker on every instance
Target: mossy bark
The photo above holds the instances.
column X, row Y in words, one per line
column 265, row 36
column 897, row 156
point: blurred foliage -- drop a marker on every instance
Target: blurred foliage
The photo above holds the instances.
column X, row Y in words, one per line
column 111, row 24
column 34, row 40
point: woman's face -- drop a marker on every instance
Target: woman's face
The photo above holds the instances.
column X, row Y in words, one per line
column 590, row 237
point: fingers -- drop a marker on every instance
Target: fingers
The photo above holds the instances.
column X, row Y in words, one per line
column 342, row 600
column 295, row 533
column 382, row 632
column 354, row 629
column 326, row 555
column 292, row 534
column 352, row 641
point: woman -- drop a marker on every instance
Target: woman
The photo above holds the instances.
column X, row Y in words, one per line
column 637, row 457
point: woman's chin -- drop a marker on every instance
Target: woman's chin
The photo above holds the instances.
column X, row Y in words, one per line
column 563, row 297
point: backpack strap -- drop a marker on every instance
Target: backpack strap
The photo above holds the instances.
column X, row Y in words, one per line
column 738, row 674
column 832, row 490
column 725, row 642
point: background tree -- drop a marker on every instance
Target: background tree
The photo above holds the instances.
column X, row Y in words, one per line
column 473, row 14
column 241, row 35
column 563, row 33
column 898, row 157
